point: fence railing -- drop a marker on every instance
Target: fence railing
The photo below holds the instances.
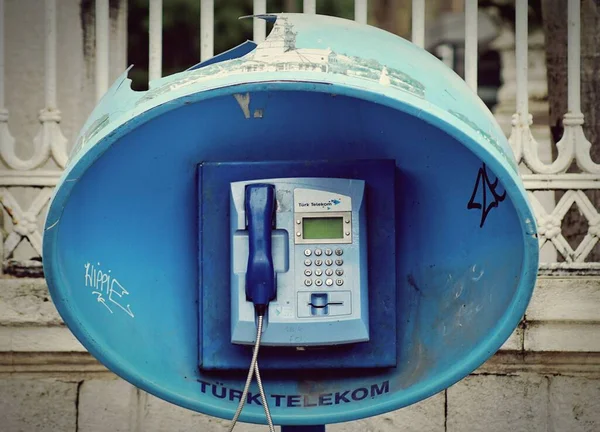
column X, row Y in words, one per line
column 37, row 174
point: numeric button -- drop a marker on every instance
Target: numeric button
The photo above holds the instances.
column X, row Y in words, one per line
column 318, row 282
column 318, row 252
column 318, row 272
column 329, row 282
column 318, row 262
column 328, row 262
column 328, row 252
column 328, row 272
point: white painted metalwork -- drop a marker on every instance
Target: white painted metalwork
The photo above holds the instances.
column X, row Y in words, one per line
column 102, row 47
column 521, row 119
column 309, row 6
column 25, row 222
column 361, row 11
column 207, row 29
column 573, row 119
column 122, row 19
column 49, row 141
column 446, row 54
column 572, row 146
column 4, row 132
column 259, row 25
column 40, row 171
column 418, row 22
column 471, row 44
column 155, row 40
column 49, row 147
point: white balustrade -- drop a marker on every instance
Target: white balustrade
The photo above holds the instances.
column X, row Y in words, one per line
column 360, row 11
column 309, row 6
column 471, row 44
column 155, row 40
column 418, row 22
column 41, row 170
column 102, row 47
column 259, row 25
column 207, row 29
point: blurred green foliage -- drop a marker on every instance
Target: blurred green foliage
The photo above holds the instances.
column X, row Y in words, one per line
column 181, row 30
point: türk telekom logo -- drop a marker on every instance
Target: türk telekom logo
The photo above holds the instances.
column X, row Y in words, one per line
column 323, row 204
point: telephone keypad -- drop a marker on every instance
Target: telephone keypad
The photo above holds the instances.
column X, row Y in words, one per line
column 328, row 272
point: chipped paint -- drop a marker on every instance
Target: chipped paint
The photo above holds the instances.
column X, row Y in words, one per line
column 509, row 158
column 243, row 101
column 99, row 124
column 278, row 53
column 52, row 226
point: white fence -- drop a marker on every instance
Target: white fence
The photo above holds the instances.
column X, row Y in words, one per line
column 35, row 176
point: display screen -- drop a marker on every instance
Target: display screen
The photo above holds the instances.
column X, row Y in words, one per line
column 323, row 228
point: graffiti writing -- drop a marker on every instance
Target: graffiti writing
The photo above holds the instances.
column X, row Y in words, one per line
column 108, row 290
column 485, row 195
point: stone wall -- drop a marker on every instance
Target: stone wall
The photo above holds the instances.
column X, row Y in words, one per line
column 546, row 377
column 68, row 397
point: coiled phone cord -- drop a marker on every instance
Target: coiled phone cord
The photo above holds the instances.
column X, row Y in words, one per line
column 254, row 370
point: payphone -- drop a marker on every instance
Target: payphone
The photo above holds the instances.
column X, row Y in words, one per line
column 309, row 190
column 319, row 255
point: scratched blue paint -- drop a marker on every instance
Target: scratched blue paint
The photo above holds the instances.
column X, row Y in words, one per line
column 120, row 254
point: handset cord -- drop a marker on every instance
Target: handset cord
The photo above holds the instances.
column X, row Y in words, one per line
column 263, row 397
column 251, row 371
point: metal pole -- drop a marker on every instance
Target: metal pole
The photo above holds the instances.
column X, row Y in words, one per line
column 316, row 428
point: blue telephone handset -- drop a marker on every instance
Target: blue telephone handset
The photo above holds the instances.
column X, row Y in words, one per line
column 260, row 275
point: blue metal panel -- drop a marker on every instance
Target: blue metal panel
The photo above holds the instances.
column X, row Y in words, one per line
column 235, row 52
column 217, row 352
column 120, row 245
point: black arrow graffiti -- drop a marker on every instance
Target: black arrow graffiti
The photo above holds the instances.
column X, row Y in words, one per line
column 484, row 182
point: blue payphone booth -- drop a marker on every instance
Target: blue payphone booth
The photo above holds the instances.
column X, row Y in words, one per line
column 334, row 195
